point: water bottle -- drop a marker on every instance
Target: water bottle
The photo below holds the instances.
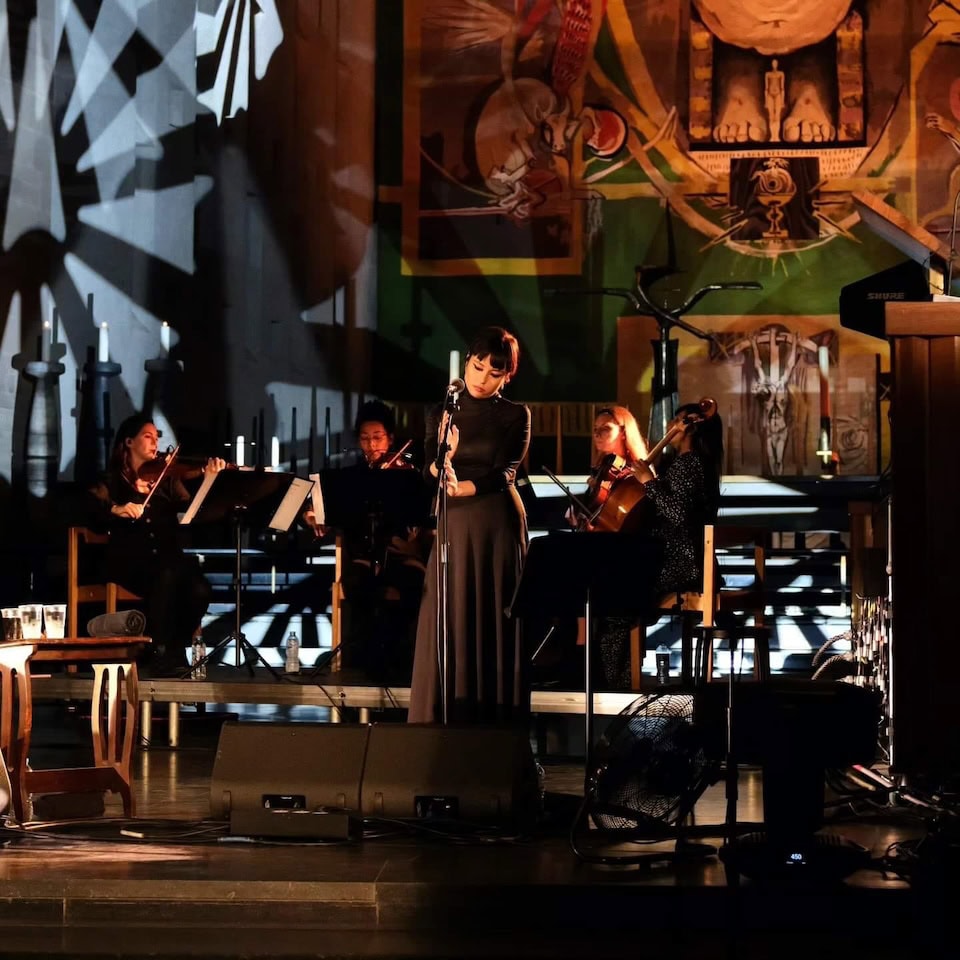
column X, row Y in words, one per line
column 198, row 650
column 292, row 664
column 663, row 664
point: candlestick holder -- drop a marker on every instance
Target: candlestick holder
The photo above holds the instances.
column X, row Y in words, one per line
column 42, row 454
column 95, row 431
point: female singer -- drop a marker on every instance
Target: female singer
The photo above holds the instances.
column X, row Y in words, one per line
column 618, row 448
column 686, row 497
column 144, row 554
column 486, row 540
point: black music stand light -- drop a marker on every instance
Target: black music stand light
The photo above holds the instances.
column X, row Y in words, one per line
column 249, row 499
column 568, row 573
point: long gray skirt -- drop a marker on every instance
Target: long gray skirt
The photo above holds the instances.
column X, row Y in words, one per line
column 487, row 667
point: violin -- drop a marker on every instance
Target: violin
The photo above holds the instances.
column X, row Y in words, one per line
column 171, row 464
column 395, row 461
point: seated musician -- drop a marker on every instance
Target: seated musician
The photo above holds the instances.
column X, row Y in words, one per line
column 144, row 554
column 619, row 448
column 383, row 556
column 685, row 496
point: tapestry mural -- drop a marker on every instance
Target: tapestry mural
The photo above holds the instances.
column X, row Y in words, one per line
column 754, row 122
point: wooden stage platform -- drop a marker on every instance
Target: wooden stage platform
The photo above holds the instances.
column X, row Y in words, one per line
column 173, row 883
column 338, row 692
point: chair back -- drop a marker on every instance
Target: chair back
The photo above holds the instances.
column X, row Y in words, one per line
column 108, row 593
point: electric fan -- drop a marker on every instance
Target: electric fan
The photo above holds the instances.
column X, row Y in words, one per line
column 651, row 767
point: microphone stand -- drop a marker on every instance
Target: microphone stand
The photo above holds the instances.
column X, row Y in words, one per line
column 450, row 406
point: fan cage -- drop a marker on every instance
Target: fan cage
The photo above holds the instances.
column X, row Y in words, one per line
column 650, row 766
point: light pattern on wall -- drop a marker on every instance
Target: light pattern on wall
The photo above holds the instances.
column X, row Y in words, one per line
column 93, row 192
column 236, row 33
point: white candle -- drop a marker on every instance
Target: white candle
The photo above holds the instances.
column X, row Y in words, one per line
column 103, row 344
column 45, row 337
column 454, row 365
column 164, row 339
column 273, row 579
column 239, row 454
column 275, row 453
column 823, row 359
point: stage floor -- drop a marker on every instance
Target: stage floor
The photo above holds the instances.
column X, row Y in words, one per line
column 173, row 883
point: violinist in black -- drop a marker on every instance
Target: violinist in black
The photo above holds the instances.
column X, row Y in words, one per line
column 144, row 554
column 384, row 553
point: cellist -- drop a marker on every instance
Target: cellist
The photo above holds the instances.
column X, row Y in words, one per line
column 686, row 495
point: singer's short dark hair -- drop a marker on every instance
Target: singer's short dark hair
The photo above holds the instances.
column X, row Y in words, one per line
column 499, row 345
column 375, row 411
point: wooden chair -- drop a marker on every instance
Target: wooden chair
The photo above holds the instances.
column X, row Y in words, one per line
column 336, row 604
column 108, row 593
column 703, row 607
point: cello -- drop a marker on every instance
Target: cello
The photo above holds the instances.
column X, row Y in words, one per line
column 624, row 508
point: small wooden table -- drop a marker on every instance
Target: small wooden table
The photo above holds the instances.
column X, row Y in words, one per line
column 113, row 716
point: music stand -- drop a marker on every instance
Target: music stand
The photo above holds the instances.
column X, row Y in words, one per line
column 571, row 574
column 246, row 498
column 363, row 503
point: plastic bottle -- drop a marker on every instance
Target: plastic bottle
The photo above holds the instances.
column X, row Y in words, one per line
column 663, row 664
column 198, row 650
column 292, row 662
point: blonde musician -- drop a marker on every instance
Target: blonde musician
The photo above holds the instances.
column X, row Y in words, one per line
column 618, row 449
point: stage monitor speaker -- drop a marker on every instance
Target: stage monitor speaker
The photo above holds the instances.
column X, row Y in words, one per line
column 289, row 779
column 422, row 771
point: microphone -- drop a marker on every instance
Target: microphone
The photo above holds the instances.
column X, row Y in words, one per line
column 456, row 386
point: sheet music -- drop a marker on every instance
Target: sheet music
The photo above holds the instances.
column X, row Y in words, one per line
column 291, row 503
column 317, row 497
column 199, row 497
column 197, row 502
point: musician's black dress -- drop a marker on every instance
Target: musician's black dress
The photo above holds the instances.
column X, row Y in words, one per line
column 146, row 557
column 683, row 504
column 487, row 538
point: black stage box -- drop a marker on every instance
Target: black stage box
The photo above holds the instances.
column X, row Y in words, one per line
column 306, row 779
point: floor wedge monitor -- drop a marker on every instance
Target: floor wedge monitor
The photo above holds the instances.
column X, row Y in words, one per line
column 289, row 779
column 422, row 771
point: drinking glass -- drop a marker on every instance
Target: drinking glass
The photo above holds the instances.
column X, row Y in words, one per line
column 54, row 618
column 11, row 623
column 30, row 617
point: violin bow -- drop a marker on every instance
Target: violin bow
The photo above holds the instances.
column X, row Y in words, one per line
column 589, row 515
column 171, row 457
column 389, row 463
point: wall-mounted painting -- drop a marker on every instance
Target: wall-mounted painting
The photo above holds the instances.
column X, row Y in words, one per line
column 775, row 380
column 754, row 119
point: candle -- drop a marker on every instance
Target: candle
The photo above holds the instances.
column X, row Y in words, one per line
column 275, row 453
column 45, row 338
column 823, row 358
column 103, row 344
column 238, row 456
column 273, row 579
column 164, row 339
column 454, row 365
